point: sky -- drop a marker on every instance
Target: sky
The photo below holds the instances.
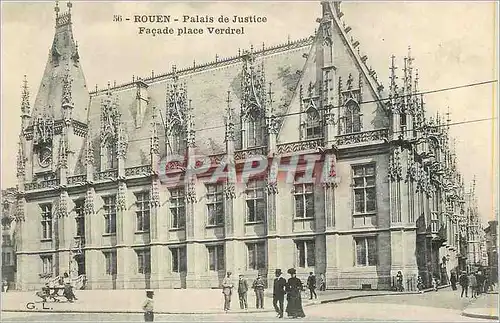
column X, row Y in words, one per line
column 454, row 43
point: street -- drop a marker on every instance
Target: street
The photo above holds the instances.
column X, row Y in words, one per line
column 445, row 305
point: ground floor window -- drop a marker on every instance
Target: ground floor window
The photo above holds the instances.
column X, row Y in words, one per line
column 306, row 256
column 46, row 265
column 143, row 261
column 110, row 257
column 366, row 251
column 178, row 259
column 216, row 257
column 256, row 255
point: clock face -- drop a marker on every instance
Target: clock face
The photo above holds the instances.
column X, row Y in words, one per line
column 44, row 157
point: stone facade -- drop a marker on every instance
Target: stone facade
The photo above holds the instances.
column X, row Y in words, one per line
column 95, row 201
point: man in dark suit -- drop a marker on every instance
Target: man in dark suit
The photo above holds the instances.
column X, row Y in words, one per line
column 279, row 291
column 311, row 284
column 242, row 292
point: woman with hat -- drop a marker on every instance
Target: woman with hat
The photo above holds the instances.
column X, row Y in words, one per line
column 294, row 288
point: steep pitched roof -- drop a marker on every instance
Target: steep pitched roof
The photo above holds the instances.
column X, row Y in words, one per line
column 63, row 77
column 207, row 87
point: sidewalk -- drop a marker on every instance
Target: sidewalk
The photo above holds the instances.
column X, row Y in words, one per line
column 485, row 307
column 167, row 301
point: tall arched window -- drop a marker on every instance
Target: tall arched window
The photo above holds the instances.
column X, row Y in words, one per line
column 178, row 141
column 111, row 155
column 256, row 130
column 352, row 117
column 313, row 124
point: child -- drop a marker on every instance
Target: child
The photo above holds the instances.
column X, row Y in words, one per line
column 148, row 307
column 420, row 284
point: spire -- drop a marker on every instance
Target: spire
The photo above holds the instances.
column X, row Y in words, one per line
column 63, row 82
column 25, row 99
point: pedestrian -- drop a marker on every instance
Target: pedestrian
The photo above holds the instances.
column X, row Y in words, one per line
column 473, row 285
column 294, row 300
column 227, row 290
column 148, row 307
column 279, row 291
column 399, row 281
column 463, row 280
column 420, row 284
column 322, row 282
column 435, row 283
column 258, row 286
column 311, row 284
column 5, row 285
column 242, row 292
column 453, row 280
column 68, row 289
column 480, row 282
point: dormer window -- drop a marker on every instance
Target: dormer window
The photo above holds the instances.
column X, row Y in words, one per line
column 313, row 124
column 178, row 140
column 109, row 156
column 352, row 117
column 256, row 130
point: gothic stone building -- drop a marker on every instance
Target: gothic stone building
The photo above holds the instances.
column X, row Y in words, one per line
column 92, row 201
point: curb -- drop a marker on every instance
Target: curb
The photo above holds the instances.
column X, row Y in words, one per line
column 212, row 312
column 480, row 316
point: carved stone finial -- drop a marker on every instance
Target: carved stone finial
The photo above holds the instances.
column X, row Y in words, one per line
column 89, row 149
column 21, row 160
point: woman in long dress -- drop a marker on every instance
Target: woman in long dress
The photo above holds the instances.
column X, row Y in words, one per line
column 294, row 288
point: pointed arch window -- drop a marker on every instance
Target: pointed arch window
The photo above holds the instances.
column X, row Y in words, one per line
column 256, row 129
column 313, row 124
column 178, row 140
column 352, row 117
column 110, row 157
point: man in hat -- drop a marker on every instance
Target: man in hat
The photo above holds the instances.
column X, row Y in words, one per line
column 227, row 290
column 279, row 291
column 242, row 292
column 311, row 284
column 258, row 286
column 148, row 307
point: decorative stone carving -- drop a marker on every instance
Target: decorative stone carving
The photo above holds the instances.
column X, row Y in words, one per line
column 190, row 133
column 273, row 124
column 67, row 100
column 360, row 137
column 62, row 209
column 20, row 211
column 89, row 201
column 190, row 192
column 122, row 142
column 155, row 140
column 177, row 105
column 272, row 188
column 63, row 154
column 21, row 161
column 110, row 119
column 43, row 129
column 25, row 99
column 253, row 102
column 89, row 149
column 229, row 191
column 155, row 194
column 121, row 198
